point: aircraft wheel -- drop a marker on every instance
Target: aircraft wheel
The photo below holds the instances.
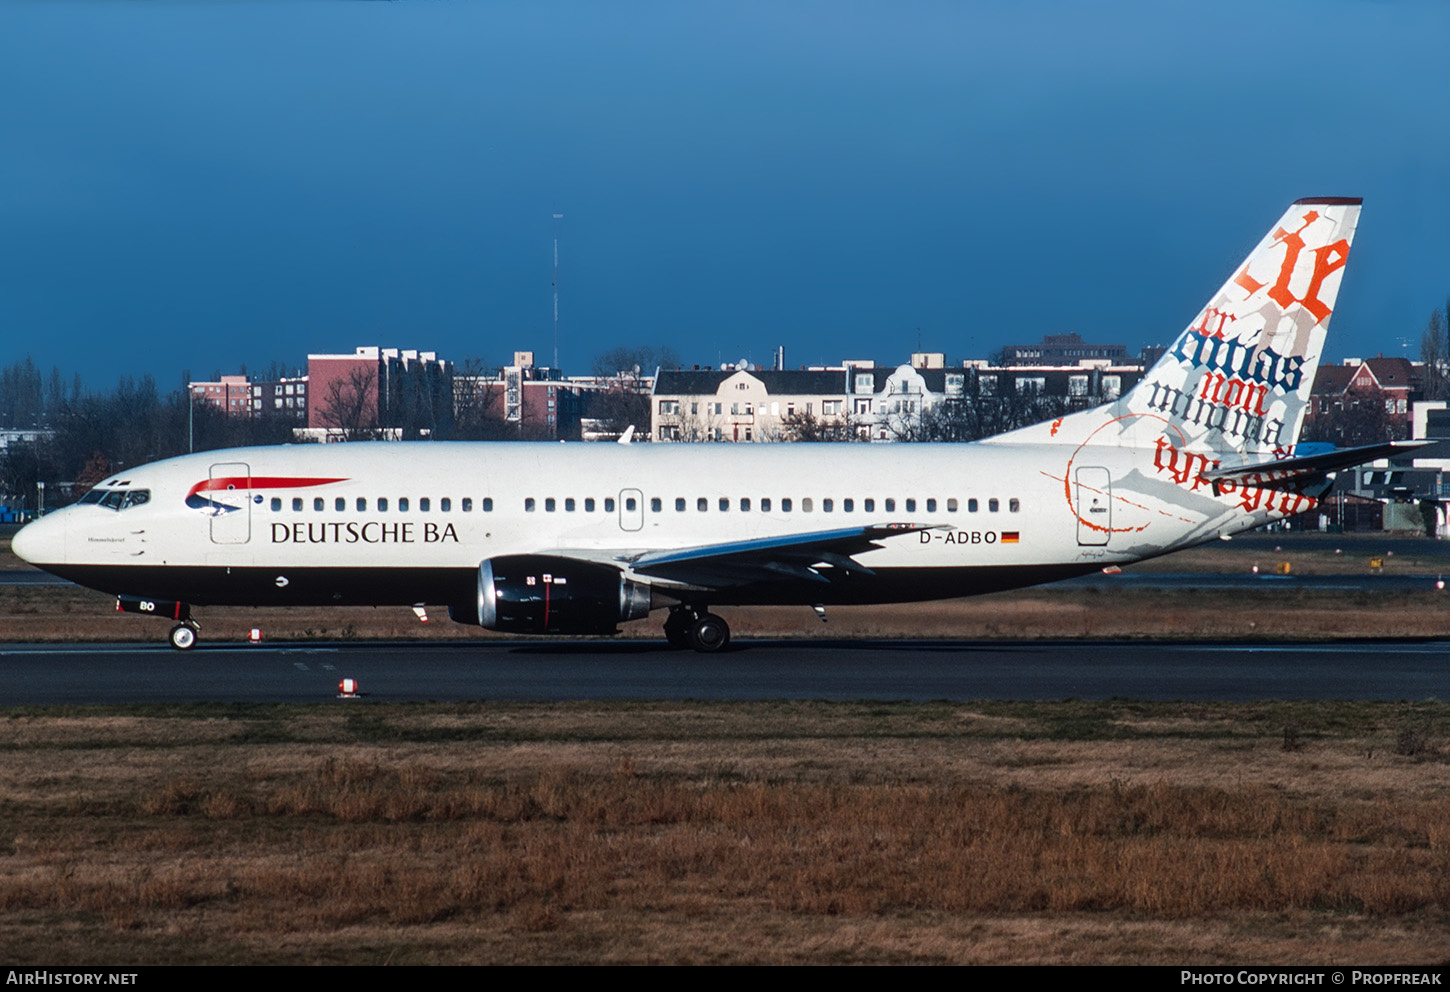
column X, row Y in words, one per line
column 183, row 638
column 709, row 634
column 677, row 635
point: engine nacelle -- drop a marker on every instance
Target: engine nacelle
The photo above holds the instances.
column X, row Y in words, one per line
column 546, row 594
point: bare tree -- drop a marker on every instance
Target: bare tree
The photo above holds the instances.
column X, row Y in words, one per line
column 1435, row 353
column 350, row 405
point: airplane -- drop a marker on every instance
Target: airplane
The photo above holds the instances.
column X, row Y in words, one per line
column 577, row 538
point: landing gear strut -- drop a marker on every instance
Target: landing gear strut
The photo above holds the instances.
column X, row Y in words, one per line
column 696, row 628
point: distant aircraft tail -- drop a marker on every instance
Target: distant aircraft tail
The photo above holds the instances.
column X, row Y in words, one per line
column 1235, row 384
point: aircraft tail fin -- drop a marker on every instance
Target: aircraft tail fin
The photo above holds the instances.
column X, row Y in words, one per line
column 1237, row 380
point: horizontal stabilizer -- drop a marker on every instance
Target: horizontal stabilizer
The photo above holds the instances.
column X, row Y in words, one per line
column 1273, row 474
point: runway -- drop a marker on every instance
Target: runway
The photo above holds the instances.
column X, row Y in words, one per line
column 753, row 669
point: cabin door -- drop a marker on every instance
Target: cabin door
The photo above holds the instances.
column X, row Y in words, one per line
column 631, row 509
column 231, row 498
column 1094, row 506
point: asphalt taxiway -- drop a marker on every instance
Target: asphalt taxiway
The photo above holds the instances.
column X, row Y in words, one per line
column 309, row 672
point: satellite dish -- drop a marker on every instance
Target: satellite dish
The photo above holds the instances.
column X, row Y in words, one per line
column 741, row 365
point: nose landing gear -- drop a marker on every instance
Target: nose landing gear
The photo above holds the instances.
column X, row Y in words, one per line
column 183, row 637
column 696, row 628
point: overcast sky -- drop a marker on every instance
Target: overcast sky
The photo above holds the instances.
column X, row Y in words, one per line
column 201, row 185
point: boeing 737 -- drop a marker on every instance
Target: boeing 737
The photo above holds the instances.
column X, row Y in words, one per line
column 578, row 538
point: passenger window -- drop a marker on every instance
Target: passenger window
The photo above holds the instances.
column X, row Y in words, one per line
column 931, row 506
column 339, row 504
column 848, row 505
column 424, row 504
column 785, row 505
column 488, row 504
column 952, row 505
column 1013, row 506
column 382, row 504
column 549, row 504
column 589, row 504
column 679, row 504
column 911, row 506
column 445, row 504
column 529, row 504
column 467, row 505
column 869, row 505
column 807, row 505
column 609, row 504
column 276, row 504
column 828, row 505
column 569, row 504
column 402, row 504
column 724, row 504
column 656, row 504
column 630, row 504
column 991, row 506
column 891, row 506
column 971, row 506
column 362, row 504
column 702, row 504
column 765, row 504
column 745, row 504
column 317, row 505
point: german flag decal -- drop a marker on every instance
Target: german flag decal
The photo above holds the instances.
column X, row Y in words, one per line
column 1009, row 537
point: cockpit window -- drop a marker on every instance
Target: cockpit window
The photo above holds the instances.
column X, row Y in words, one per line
column 117, row 499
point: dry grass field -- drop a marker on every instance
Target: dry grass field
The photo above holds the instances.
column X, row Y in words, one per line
column 727, row 833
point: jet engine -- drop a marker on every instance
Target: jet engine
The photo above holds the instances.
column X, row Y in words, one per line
column 547, row 594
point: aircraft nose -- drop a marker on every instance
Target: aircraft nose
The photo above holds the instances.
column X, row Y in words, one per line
column 40, row 542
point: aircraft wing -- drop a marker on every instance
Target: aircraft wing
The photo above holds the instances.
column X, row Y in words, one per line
column 794, row 556
column 1288, row 471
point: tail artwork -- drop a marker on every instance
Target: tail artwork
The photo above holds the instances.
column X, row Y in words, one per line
column 1234, row 386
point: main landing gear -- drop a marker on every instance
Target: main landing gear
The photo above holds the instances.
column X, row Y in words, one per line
column 695, row 628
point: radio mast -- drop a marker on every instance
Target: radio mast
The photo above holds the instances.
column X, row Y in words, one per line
column 557, row 219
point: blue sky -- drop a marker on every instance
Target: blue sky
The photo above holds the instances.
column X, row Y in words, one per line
column 201, row 185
